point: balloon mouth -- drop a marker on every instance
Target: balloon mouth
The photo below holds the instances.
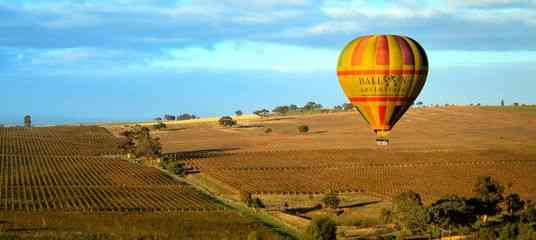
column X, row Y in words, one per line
column 381, row 137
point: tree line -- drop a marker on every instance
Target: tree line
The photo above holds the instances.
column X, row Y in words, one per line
column 488, row 214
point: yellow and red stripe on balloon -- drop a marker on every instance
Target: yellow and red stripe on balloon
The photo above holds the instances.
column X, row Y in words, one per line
column 382, row 75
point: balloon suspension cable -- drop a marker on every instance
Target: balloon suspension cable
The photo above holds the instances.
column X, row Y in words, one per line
column 381, row 137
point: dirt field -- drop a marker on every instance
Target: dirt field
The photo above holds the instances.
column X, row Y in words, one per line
column 420, row 129
column 434, row 151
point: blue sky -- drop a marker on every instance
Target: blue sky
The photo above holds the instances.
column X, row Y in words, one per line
column 133, row 60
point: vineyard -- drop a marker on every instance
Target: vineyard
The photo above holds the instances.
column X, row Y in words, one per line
column 378, row 173
column 66, row 168
column 58, row 141
column 147, row 225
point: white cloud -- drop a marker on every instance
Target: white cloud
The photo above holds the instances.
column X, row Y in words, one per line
column 68, row 14
column 328, row 27
column 248, row 56
column 266, row 18
column 255, row 56
column 526, row 16
column 397, row 10
column 354, row 15
column 488, row 3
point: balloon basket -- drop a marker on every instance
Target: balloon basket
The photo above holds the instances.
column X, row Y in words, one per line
column 382, row 141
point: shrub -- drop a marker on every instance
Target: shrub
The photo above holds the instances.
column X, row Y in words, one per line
column 303, row 128
column 246, row 198
column 486, row 233
column 254, row 235
column 347, row 106
column 267, row 130
column 529, row 214
column 227, row 121
column 159, row 125
column 179, row 169
column 331, row 200
column 386, row 216
column 261, row 113
column 5, row 236
column 508, row 231
column 257, row 203
column 250, row 201
column 323, row 228
column 239, row 113
column 526, row 232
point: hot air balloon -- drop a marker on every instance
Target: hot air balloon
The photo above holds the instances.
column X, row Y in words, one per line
column 382, row 75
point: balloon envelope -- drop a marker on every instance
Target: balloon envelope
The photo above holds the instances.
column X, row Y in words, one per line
column 382, row 75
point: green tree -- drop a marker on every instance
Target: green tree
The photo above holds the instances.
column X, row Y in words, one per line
column 137, row 140
column 293, row 107
column 261, row 113
column 331, row 200
column 227, row 121
column 488, row 195
column 186, row 116
column 239, row 113
column 27, row 121
column 281, row 110
column 513, row 203
column 323, row 228
column 409, row 213
column 311, row 106
column 169, row 117
column 451, row 212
